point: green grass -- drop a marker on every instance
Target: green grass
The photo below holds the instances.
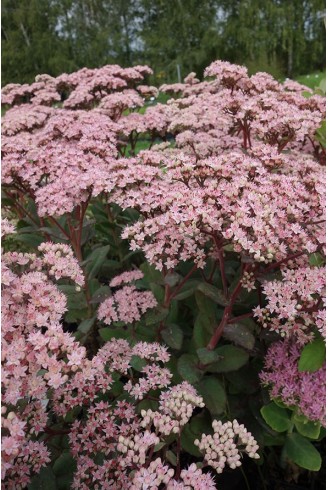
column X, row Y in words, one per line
column 312, row 80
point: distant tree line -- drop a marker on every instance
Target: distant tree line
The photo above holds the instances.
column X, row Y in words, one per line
column 283, row 37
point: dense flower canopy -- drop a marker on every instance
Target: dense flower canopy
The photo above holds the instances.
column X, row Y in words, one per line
column 230, row 190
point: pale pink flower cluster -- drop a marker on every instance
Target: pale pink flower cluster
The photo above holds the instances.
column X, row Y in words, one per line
column 235, row 197
column 46, row 367
column 155, row 377
column 126, row 305
column 64, row 163
column 173, row 88
column 295, row 305
column 227, row 443
column 126, row 278
column 42, row 92
column 151, row 351
column 38, row 358
column 21, row 458
column 115, row 431
column 51, row 370
column 25, row 118
column 60, row 260
column 152, row 477
column 227, row 73
column 193, row 478
column 7, row 228
column 304, row 391
column 148, row 91
column 82, row 89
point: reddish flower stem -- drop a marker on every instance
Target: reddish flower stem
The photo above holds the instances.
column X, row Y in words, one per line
column 182, row 283
column 218, row 244
column 226, row 315
column 277, row 264
column 60, row 227
column 178, row 468
column 240, row 317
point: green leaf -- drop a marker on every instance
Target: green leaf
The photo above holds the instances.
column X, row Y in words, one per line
column 173, row 336
column 32, row 240
column 322, row 85
column 199, row 424
column 231, row 359
column 205, row 304
column 171, row 458
column 239, row 334
column 300, row 450
column 321, row 134
column 207, row 356
column 313, row 356
column 113, row 333
column 276, row 417
column 156, row 315
column 188, row 368
column 202, row 330
column 151, row 274
column 101, row 294
column 75, row 298
column 45, row 480
column 64, row 464
column 86, row 325
column 158, row 291
column 138, row 363
column 306, row 427
column 187, row 290
column 88, row 231
column 95, row 260
column 316, row 259
column 213, row 393
column 172, row 279
column 147, row 405
column 159, row 446
column 72, row 414
column 244, row 380
column 213, row 293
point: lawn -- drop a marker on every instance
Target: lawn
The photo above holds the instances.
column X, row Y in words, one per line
column 312, row 80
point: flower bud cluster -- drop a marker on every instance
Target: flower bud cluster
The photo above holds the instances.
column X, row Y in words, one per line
column 248, row 281
column 136, row 447
column 175, row 410
column 226, row 444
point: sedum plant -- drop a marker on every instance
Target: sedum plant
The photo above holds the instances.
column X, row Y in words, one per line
column 163, row 278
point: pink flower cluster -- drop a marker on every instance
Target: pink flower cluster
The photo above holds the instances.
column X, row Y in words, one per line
column 295, row 305
column 127, row 304
column 304, row 390
column 245, row 175
column 81, row 89
column 7, row 228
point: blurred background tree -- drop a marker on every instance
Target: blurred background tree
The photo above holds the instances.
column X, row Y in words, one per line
column 283, row 37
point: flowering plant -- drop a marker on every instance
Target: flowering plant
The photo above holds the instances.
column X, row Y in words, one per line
column 153, row 296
